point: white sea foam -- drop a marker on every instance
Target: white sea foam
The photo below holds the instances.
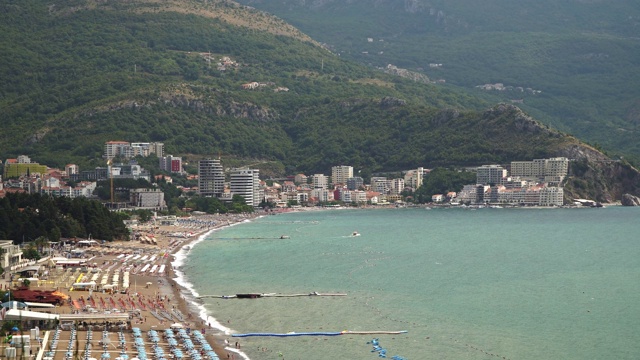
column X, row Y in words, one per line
column 180, row 279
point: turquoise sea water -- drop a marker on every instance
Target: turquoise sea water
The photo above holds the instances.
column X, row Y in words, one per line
column 465, row 284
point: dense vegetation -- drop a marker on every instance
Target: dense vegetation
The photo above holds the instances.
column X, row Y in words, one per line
column 25, row 217
column 74, row 74
column 582, row 55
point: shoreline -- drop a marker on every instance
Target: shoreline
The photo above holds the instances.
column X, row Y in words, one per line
column 182, row 290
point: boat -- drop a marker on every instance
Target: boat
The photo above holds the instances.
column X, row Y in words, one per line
column 284, row 236
column 355, row 233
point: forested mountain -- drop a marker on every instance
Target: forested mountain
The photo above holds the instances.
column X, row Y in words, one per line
column 214, row 77
column 582, row 56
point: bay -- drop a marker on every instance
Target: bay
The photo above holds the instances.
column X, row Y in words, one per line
column 465, row 284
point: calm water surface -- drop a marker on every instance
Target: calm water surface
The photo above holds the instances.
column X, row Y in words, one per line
column 465, row 284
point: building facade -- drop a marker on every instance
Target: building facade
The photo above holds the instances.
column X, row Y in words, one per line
column 246, row 183
column 320, row 181
column 552, row 170
column 210, row 178
column 413, row 178
column 340, row 174
column 490, row 174
column 10, row 254
column 355, row 183
column 147, row 199
column 170, row 163
column 128, row 150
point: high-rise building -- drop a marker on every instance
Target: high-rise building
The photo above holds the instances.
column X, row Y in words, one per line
column 490, row 174
column 397, row 186
column 340, row 174
column 246, row 183
column 210, row 178
column 320, row 181
column 552, row 171
column 413, row 178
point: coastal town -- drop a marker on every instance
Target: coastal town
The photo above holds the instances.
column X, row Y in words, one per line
column 536, row 182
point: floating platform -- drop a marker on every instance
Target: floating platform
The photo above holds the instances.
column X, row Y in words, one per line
column 337, row 333
column 265, row 295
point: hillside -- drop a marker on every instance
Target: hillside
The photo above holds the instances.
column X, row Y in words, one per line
column 212, row 77
column 579, row 58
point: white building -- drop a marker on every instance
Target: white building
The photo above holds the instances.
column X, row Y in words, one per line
column 323, row 195
column 71, row 169
column 24, row 159
column 340, row 174
column 210, row 178
column 320, row 181
column 246, row 183
column 533, row 196
column 551, row 171
column 551, row 196
column 397, row 186
column 10, row 254
column 413, row 178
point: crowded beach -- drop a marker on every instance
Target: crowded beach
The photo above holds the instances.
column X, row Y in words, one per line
column 114, row 300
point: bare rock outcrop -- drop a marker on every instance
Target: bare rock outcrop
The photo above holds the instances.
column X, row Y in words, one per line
column 630, row 200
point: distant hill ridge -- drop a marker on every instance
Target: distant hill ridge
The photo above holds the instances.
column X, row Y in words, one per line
column 580, row 54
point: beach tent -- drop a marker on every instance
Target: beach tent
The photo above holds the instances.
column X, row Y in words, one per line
column 15, row 314
column 87, row 242
column 177, row 326
column 85, row 286
column 38, row 305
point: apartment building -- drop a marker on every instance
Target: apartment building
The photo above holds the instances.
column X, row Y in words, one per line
column 340, row 174
column 171, row 164
column 210, row 178
column 246, row 183
column 490, row 174
column 320, row 181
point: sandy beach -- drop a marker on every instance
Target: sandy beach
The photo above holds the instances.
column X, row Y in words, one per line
column 155, row 298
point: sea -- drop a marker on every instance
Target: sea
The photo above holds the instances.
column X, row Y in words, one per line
column 487, row 283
